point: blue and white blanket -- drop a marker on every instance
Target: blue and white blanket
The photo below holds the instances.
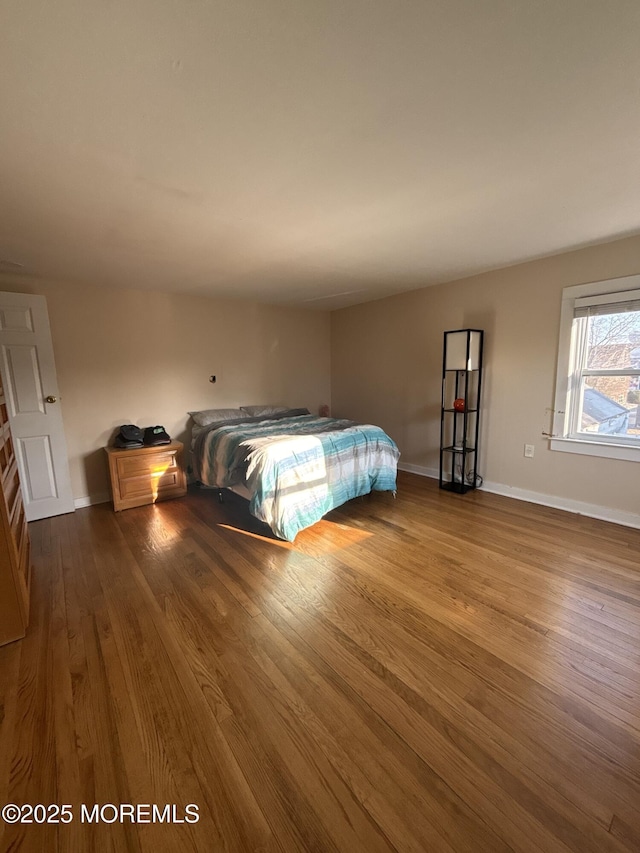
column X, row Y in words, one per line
column 297, row 469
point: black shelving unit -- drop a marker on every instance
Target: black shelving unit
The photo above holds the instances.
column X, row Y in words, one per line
column 460, row 410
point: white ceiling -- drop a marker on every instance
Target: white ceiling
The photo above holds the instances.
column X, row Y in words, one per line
column 296, row 150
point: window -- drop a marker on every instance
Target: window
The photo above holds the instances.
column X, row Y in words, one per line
column 597, row 408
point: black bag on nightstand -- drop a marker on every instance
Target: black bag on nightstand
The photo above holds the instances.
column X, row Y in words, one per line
column 156, row 435
column 130, row 435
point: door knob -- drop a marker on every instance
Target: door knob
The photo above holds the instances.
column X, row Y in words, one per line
column 51, row 399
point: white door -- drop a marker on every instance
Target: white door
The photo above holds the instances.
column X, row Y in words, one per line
column 29, row 377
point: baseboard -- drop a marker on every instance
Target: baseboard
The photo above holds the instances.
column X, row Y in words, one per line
column 419, row 469
column 90, row 500
column 603, row 513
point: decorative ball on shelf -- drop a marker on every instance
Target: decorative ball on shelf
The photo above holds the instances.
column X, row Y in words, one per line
column 459, row 404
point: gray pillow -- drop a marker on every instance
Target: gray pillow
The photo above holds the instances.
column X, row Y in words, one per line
column 264, row 410
column 214, row 416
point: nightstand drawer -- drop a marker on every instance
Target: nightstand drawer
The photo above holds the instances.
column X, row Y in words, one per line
column 154, row 485
column 143, row 466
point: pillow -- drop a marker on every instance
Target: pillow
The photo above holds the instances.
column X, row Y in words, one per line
column 214, row 416
column 264, row 410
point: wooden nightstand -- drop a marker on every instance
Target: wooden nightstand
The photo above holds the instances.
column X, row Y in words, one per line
column 144, row 475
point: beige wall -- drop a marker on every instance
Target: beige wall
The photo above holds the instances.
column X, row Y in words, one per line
column 387, row 361
column 145, row 358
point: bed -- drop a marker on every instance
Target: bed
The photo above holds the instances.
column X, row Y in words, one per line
column 292, row 466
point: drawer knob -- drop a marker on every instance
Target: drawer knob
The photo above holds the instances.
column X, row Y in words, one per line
column 52, row 399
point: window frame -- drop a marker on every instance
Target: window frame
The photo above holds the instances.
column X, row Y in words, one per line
column 567, row 402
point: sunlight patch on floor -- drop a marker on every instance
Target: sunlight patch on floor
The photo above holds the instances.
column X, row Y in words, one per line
column 280, row 542
column 324, row 537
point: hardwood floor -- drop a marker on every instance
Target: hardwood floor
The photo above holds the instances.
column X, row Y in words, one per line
column 435, row 673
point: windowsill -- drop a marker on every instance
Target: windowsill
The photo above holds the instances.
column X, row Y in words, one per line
column 596, row 448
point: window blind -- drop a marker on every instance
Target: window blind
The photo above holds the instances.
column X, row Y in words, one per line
column 607, row 303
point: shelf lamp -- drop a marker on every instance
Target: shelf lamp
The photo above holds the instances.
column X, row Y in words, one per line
column 456, row 350
column 460, row 410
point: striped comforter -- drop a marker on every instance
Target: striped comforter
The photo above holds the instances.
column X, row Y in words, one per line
column 297, row 468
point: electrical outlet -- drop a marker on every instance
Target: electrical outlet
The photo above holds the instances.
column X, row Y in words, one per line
column 529, row 451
